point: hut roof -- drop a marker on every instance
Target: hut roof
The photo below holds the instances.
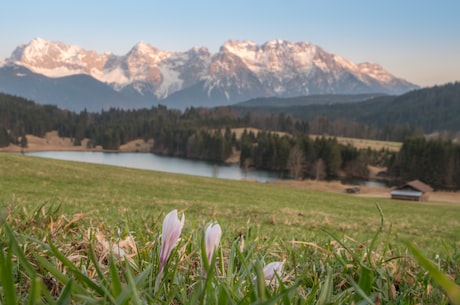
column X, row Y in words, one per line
column 418, row 185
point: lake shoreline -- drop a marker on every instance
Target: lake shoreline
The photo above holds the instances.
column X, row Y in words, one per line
column 52, row 142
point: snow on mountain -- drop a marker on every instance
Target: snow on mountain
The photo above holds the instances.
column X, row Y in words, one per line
column 375, row 71
column 283, row 68
column 239, row 70
column 56, row 59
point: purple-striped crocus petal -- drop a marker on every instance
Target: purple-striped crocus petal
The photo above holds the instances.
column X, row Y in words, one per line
column 212, row 239
column 269, row 270
column 172, row 228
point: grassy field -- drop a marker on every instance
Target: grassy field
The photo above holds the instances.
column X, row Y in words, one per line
column 308, row 229
column 366, row 143
column 355, row 142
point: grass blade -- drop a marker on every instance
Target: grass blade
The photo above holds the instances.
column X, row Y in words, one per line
column 7, row 279
column 66, row 294
column 260, row 280
column 360, row 295
column 115, row 277
column 327, row 288
column 366, row 281
column 376, row 235
column 23, row 261
column 133, row 286
column 92, row 257
column 34, row 292
column 78, row 274
column 452, row 290
column 61, row 277
column 133, row 283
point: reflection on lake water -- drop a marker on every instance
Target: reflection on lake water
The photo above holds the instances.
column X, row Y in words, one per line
column 370, row 183
column 161, row 163
column 176, row 165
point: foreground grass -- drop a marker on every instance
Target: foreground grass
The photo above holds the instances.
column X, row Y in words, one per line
column 336, row 248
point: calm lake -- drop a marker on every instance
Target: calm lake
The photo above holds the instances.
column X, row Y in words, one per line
column 176, row 165
column 161, row 163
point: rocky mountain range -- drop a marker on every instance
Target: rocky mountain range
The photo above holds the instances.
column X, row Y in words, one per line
column 72, row 77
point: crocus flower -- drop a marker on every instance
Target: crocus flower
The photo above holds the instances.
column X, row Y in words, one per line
column 172, row 228
column 269, row 270
column 212, row 239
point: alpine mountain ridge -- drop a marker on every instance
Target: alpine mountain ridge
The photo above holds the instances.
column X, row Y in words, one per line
column 146, row 76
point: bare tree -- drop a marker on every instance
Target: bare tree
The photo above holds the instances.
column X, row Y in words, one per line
column 319, row 169
column 246, row 164
column 296, row 162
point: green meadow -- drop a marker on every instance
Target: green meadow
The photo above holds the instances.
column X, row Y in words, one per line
column 337, row 248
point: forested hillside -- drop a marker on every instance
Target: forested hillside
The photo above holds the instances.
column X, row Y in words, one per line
column 325, row 99
column 435, row 109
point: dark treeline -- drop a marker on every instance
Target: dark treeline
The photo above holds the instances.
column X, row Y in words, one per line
column 304, row 157
column 435, row 162
column 345, row 127
column 390, row 118
column 279, row 141
column 339, row 122
column 191, row 134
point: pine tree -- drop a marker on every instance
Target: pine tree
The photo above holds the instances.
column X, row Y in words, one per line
column 24, row 142
column 4, row 137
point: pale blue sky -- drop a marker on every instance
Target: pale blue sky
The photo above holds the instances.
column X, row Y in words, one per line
column 418, row 40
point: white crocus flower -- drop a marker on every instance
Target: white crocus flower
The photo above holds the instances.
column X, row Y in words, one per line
column 172, row 228
column 212, row 239
column 270, row 269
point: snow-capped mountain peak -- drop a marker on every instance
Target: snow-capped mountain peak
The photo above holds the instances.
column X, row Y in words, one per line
column 375, row 71
column 56, row 59
column 234, row 46
column 144, row 47
column 145, row 52
column 40, row 52
column 239, row 70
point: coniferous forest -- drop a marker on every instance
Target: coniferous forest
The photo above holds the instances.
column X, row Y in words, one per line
column 269, row 141
column 390, row 118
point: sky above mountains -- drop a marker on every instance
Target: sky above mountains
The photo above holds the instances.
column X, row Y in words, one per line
column 416, row 40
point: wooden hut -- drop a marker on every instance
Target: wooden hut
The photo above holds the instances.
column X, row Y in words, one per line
column 414, row 190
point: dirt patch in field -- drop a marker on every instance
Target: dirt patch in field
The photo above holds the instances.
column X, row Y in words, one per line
column 138, row 145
